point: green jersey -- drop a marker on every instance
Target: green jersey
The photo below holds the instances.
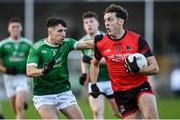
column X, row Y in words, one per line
column 14, row 53
column 56, row 80
column 103, row 71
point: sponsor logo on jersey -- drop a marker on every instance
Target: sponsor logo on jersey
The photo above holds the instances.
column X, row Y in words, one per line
column 7, row 46
column 118, row 57
column 107, row 50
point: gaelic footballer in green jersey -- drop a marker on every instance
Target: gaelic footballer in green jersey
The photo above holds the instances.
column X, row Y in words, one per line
column 14, row 51
column 91, row 24
column 47, row 64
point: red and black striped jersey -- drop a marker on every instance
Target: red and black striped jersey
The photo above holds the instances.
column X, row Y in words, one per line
column 115, row 52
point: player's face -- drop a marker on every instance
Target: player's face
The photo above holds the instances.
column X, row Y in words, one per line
column 58, row 34
column 15, row 29
column 90, row 25
column 113, row 24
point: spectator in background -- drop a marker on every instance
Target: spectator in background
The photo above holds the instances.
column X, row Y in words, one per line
column 13, row 53
column 175, row 81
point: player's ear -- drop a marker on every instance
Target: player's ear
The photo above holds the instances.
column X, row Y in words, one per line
column 9, row 28
column 49, row 31
column 121, row 21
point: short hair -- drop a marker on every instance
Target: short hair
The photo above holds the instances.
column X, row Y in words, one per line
column 89, row 14
column 54, row 21
column 120, row 11
column 14, row 20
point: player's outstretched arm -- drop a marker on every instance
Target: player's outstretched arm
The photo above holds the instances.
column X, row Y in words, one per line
column 152, row 68
column 89, row 44
column 94, row 70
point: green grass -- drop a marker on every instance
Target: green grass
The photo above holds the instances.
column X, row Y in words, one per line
column 168, row 109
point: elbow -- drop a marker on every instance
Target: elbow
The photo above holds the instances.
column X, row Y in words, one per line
column 156, row 70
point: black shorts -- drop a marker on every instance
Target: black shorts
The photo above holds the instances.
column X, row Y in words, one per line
column 127, row 100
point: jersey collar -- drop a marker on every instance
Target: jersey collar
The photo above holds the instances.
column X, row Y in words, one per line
column 15, row 41
column 45, row 40
column 119, row 38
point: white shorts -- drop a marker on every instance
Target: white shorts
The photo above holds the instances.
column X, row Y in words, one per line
column 60, row 101
column 15, row 83
column 104, row 87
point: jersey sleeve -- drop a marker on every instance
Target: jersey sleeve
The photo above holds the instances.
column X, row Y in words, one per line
column 97, row 54
column 144, row 47
column 33, row 57
column 71, row 43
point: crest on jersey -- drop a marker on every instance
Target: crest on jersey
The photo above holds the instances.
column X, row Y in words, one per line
column 118, row 48
column 128, row 48
column 121, row 108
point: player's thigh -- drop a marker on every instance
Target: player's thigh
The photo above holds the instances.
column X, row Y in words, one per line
column 9, row 85
column 97, row 104
column 48, row 112
column 135, row 115
column 148, row 106
column 114, row 107
column 73, row 112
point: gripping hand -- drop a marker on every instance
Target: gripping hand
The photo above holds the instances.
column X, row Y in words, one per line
column 132, row 67
column 95, row 91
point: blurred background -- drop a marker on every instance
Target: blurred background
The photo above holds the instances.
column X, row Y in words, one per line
column 157, row 21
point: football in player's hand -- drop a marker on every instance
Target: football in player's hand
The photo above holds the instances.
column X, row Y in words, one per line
column 140, row 59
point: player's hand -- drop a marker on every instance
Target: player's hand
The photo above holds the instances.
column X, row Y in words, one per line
column 86, row 59
column 132, row 67
column 98, row 38
column 82, row 78
column 49, row 66
column 11, row 71
column 95, row 91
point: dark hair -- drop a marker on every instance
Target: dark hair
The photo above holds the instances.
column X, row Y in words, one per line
column 54, row 21
column 14, row 19
column 89, row 14
column 120, row 11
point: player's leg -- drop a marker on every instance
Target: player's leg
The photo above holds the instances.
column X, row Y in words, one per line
column 67, row 104
column 148, row 106
column 10, row 91
column 97, row 106
column 13, row 103
column 107, row 90
column 73, row 112
column 22, row 90
column 48, row 112
column 147, row 101
column 114, row 107
column 127, row 104
column 45, row 105
column 21, row 97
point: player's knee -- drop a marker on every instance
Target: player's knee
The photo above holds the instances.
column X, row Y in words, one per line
column 19, row 108
column 97, row 110
column 151, row 115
